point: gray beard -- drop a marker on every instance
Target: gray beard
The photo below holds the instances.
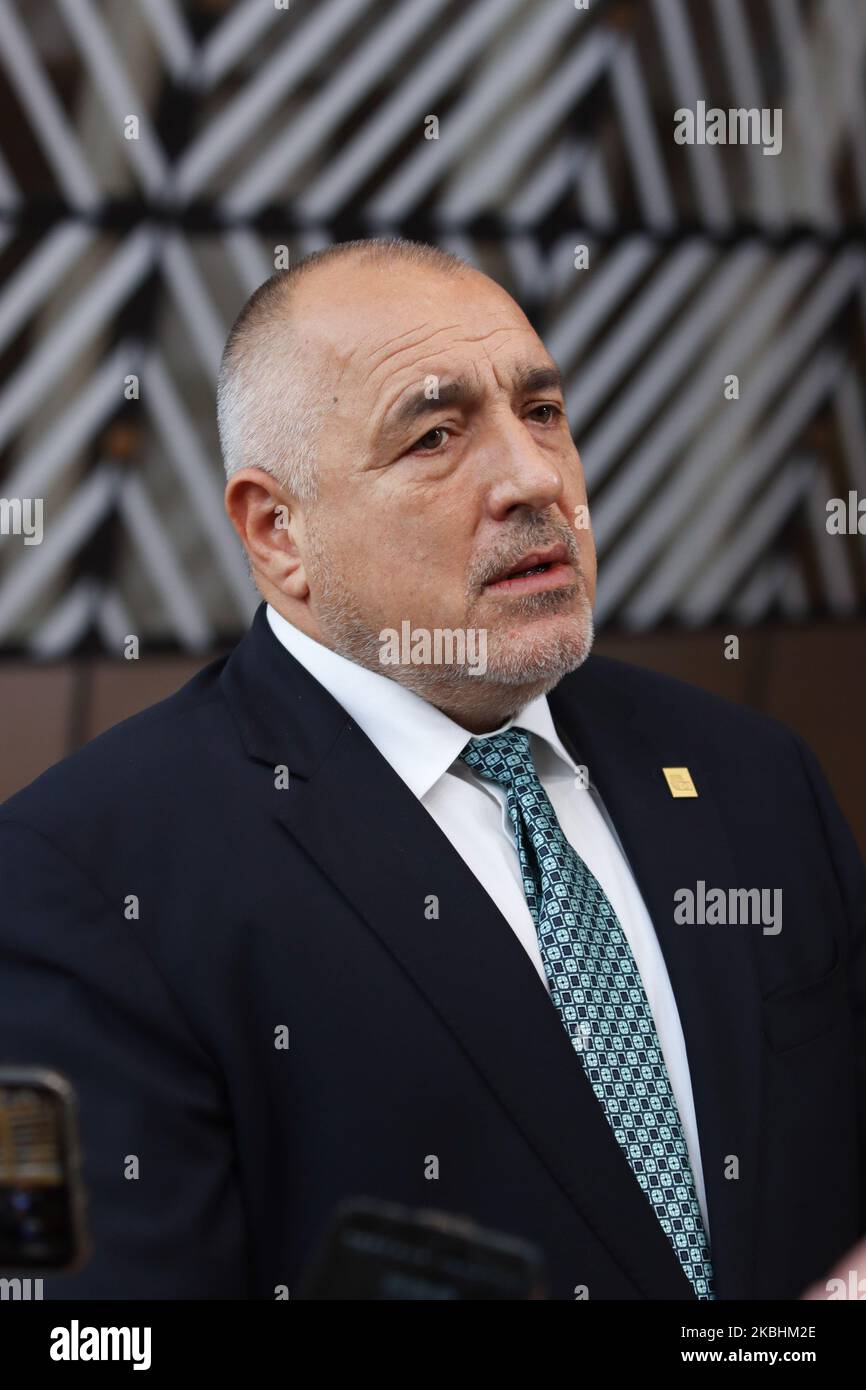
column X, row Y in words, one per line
column 534, row 673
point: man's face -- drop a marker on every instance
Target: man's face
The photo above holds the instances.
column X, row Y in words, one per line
column 446, row 462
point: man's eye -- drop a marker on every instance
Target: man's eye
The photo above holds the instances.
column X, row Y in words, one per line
column 437, row 429
column 548, row 405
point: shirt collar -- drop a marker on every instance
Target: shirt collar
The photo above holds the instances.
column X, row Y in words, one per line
column 416, row 738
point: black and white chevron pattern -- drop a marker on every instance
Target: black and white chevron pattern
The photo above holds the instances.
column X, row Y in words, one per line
column 259, row 125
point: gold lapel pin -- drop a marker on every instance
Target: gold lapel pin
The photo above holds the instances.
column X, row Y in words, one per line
column 679, row 781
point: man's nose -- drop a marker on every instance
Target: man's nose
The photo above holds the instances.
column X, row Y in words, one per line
column 523, row 473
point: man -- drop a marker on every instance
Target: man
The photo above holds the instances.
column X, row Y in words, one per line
column 365, row 911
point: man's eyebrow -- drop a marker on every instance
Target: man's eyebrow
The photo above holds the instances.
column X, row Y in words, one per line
column 461, row 391
column 415, row 406
column 531, row 379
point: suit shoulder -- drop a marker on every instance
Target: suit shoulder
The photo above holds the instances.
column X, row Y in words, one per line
column 667, row 700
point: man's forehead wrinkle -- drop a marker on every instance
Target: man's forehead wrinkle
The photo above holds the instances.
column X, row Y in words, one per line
column 364, row 357
column 419, row 329
column 424, row 343
column 454, row 346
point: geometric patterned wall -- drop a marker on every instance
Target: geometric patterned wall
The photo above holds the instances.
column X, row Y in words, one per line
column 261, row 126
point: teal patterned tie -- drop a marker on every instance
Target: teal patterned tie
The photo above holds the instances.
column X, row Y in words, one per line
column 597, row 989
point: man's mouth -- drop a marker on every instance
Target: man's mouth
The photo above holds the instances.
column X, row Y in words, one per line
column 536, row 571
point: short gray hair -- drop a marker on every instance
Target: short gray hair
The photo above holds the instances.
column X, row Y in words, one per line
column 267, row 413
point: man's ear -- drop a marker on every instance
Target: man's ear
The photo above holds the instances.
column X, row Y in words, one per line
column 268, row 521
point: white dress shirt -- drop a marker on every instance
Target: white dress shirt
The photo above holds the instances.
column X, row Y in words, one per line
column 423, row 745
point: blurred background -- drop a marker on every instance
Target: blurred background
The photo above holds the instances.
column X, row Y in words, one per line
column 159, row 158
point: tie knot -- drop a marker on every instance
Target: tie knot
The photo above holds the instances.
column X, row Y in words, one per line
column 502, row 757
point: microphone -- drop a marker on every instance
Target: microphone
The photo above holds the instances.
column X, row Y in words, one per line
column 42, row 1223
column 377, row 1250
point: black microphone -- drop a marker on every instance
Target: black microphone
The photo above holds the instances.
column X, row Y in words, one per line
column 381, row 1251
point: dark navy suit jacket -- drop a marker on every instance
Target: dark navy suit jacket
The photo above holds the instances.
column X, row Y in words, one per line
column 262, row 906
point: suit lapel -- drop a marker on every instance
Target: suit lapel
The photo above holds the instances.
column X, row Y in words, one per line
column 670, row 844
column 384, row 853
